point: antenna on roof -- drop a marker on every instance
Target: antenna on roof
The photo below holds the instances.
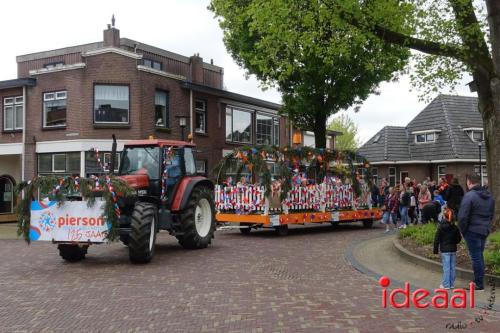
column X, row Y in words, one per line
column 113, row 20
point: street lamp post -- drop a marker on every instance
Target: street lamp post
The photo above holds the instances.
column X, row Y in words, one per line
column 479, row 145
column 182, row 125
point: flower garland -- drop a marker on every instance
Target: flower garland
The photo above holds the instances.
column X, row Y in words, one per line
column 55, row 189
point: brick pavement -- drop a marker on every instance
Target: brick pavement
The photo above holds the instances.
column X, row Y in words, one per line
column 254, row 283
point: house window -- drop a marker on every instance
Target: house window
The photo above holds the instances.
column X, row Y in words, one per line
column 92, row 166
column 484, row 173
column 441, row 171
column 161, row 109
column 375, row 175
column 13, row 113
column 153, row 64
column 267, row 130
column 309, row 140
column 59, row 163
column 111, row 104
column 200, row 110
column 54, row 109
column 51, row 65
column 425, row 137
column 377, row 137
column 238, row 125
column 201, row 167
column 392, row 176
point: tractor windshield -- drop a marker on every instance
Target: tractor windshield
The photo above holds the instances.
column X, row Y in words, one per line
column 141, row 160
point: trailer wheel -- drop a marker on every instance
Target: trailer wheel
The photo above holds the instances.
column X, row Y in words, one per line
column 197, row 223
column 141, row 242
column 281, row 230
column 367, row 224
column 72, row 252
column 244, row 229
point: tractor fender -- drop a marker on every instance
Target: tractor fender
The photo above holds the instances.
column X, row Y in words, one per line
column 186, row 186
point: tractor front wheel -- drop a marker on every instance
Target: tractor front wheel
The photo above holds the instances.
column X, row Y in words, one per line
column 197, row 225
column 141, row 242
column 72, row 252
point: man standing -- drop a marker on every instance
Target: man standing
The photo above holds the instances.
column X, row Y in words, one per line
column 475, row 216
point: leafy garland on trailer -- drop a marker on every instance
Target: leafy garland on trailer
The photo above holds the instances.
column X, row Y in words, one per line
column 288, row 161
column 57, row 189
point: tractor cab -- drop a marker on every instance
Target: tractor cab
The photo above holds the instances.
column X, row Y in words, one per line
column 144, row 161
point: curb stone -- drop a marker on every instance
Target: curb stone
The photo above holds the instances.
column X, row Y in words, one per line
column 435, row 266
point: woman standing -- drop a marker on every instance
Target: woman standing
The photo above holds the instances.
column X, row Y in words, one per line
column 404, row 204
column 424, row 197
column 454, row 196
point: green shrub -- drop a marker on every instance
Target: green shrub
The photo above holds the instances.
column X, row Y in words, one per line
column 492, row 259
column 494, row 241
column 422, row 234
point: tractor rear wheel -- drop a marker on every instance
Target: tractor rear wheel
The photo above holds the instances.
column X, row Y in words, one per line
column 141, row 242
column 197, row 225
column 72, row 252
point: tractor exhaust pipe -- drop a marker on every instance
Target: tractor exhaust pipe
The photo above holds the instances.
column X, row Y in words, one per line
column 112, row 162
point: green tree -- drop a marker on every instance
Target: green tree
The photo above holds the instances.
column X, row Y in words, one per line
column 449, row 38
column 348, row 140
column 319, row 64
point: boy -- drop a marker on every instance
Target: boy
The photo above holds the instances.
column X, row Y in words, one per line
column 446, row 239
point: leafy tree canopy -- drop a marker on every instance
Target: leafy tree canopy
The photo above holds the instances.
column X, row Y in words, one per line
column 349, row 138
column 320, row 64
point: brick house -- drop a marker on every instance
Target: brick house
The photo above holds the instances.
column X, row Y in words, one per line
column 444, row 139
column 67, row 101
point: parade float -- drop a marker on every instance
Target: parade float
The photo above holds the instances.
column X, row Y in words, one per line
column 270, row 187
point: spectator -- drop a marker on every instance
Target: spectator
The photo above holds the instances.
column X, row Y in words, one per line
column 384, row 191
column 454, row 196
column 431, row 187
column 404, row 204
column 375, row 195
column 390, row 209
column 430, row 212
column 475, row 216
column 446, row 239
column 424, row 197
column 439, row 198
column 413, row 205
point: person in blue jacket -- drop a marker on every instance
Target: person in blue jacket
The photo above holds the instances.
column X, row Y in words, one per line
column 475, row 219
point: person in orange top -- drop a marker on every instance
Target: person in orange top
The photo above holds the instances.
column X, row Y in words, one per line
column 424, row 197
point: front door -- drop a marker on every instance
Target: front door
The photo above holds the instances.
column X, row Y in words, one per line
column 6, row 195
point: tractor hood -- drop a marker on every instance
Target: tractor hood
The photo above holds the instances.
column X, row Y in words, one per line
column 136, row 181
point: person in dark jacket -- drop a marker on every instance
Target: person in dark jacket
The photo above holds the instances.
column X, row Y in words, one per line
column 446, row 239
column 375, row 195
column 454, row 196
column 430, row 212
column 475, row 216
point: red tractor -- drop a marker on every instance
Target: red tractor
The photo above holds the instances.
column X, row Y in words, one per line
column 169, row 195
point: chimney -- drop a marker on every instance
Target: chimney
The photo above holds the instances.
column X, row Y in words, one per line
column 196, row 67
column 111, row 36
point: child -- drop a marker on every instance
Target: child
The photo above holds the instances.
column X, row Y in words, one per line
column 446, row 239
column 439, row 198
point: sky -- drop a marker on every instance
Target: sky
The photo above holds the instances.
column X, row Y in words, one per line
column 181, row 26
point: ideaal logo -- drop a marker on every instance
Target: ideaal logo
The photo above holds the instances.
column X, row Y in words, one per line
column 420, row 297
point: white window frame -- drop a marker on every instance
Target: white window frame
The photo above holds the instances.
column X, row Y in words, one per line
column 401, row 179
column 14, row 103
column 94, row 105
column 204, row 111
column 439, row 174
column 390, row 176
column 54, row 96
column 251, row 112
column 200, row 171
column 375, row 175
column 435, row 134
column 483, row 174
column 54, row 165
column 275, row 140
column 107, row 160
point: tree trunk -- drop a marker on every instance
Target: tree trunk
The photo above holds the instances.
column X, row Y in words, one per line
column 320, row 129
column 490, row 109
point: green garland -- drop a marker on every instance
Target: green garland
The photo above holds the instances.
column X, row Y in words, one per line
column 317, row 162
column 67, row 187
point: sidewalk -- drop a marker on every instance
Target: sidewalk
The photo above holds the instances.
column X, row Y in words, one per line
column 377, row 257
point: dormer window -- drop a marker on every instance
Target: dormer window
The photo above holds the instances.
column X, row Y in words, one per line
column 429, row 136
column 376, row 139
column 475, row 134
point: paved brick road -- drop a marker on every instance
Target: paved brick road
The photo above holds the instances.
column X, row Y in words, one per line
column 255, row 283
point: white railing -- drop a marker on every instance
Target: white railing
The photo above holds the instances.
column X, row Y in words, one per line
column 250, row 198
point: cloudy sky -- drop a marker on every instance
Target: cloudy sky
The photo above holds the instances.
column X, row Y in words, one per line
column 181, row 26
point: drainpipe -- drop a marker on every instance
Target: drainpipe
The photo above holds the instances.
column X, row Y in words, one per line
column 191, row 115
column 23, row 150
